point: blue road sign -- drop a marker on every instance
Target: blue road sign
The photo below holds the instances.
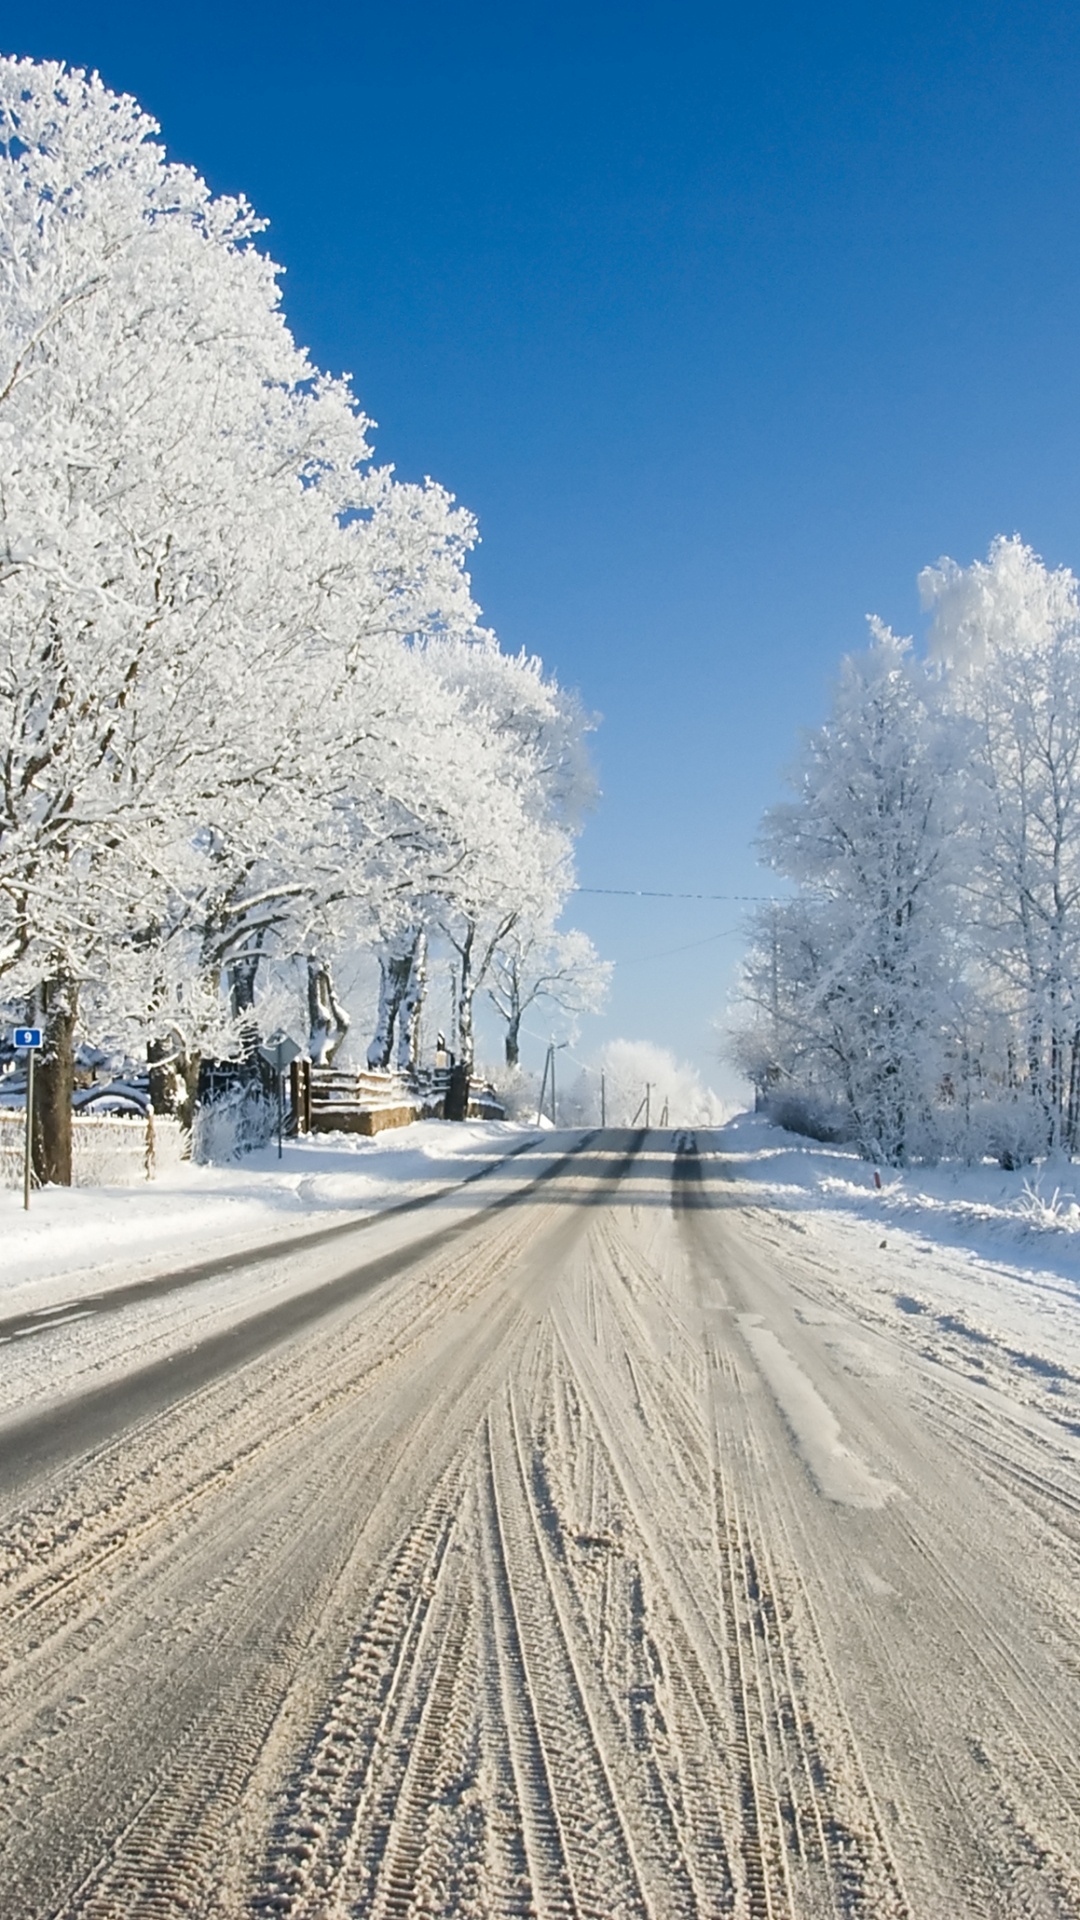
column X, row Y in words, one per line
column 26, row 1037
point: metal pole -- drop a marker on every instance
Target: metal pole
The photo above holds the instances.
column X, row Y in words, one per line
column 554, row 1121
column 603, row 1101
column 28, row 1151
column 648, row 1097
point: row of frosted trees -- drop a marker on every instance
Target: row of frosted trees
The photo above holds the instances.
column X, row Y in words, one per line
column 919, row 991
column 249, row 718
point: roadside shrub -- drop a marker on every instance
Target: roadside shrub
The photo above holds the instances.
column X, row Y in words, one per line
column 805, row 1113
column 235, row 1123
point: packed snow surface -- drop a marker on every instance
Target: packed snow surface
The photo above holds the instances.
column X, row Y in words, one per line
column 628, row 1532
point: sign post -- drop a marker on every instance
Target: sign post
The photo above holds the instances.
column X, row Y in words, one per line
column 279, row 1051
column 28, row 1040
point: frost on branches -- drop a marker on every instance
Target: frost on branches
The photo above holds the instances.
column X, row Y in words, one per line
column 920, row 990
column 249, row 720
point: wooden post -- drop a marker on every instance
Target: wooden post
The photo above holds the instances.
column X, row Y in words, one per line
column 543, row 1085
column 300, row 1094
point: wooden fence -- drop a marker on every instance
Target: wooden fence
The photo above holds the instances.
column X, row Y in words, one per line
column 367, row 1100
column 107, row 1150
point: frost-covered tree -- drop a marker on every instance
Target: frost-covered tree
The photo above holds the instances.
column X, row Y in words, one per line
column 507, row 823
column 1007, row 634
column 926, row 976
column 869, row 840
column 199, row 570
column 771, row 1038
column 640, row 1076
column 561, row 969
column 248, row 719
column 351, row 820
column 165, row 448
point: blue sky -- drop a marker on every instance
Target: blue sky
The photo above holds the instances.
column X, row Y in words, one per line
column 724, row 323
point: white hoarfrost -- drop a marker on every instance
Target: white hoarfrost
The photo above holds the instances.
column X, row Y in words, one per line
column 645, row 1084
column 248, row 718
column 919, row 993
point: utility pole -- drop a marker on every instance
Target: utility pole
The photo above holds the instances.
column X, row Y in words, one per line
column 603, row 1099
column 551, row 1050
column 549, row 1061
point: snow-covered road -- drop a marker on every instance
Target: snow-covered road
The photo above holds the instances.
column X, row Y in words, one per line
column 627, row 1550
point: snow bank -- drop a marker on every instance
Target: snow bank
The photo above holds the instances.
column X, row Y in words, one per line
column 972, row 1252
column 1033, row 1213
column 192, row 1212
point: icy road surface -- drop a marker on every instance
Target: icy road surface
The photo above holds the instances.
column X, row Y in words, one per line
column 622, row 1552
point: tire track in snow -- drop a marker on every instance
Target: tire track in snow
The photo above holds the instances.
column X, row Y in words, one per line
column 288, row 1470
column 843, row 1860
column 329, row 1807
column 506, row 1592
column 972, row 1847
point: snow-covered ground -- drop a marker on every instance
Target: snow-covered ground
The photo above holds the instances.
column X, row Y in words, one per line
column 1003, row 1247
column 645, row 1548
column 78, row 1240
column 997, row 1251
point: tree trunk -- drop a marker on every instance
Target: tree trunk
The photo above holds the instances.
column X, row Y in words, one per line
column 395, row 968
column 511, row 1044
column 329, row 1022
column 168, row 1089
column 1074, row 1091
column 159, row 1058
column 456, row 1102
column 242, row 972
column 411, row 1007
column 174, row 1075
column 187, row 1081
column 465, row 993
column 54, row 1083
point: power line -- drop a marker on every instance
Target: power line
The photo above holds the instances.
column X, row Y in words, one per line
column 709, row 939
column 649, row 893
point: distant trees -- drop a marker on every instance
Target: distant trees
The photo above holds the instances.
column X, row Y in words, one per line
column 641, row 1078
column 248, row 717
column 921, row 990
